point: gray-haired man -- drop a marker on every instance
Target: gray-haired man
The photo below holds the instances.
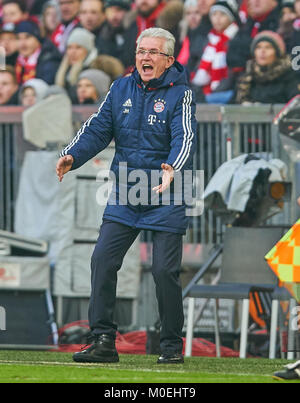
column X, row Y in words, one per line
column 151, row 117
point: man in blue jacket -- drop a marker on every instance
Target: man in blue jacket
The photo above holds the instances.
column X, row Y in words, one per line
column 151, row 117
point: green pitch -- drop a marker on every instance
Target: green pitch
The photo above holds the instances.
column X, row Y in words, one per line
column 50, row 367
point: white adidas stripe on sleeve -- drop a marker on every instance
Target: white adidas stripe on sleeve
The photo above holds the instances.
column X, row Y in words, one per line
column 86, row 124
column 188, row 132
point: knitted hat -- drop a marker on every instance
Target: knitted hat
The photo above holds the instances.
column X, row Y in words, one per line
column 125, row 4
column 100, row 80
column 229, row 7
column 40, row 88
column 29, row 27
column 8, row 27
column 272, row 37
column 82, row 37
column 288, row 3
column 190, row 3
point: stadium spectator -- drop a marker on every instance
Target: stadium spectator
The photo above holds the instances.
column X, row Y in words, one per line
column 269, row 77
column 263, row 15
column 199, row 37
column 8, row 87
column 112, row 37
column 92, row 87
column 14, row 11
column 149, row 14
column 8, row 41
column 288, row 10
column 50, row 18
column 204, row 7
column 293, row 37
column 192, row 38
column 213, row 71
column 32, row 92
column 287, row 19
column 35, row 7
column 92, row 17
column 112, row 66
column 38, row 58
column 69, row 10
column 81, row 52
column 297, row 8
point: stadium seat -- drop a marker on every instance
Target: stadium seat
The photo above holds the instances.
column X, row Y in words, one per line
column 244, row 272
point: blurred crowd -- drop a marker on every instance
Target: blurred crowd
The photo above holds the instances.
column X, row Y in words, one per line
column 235, row 51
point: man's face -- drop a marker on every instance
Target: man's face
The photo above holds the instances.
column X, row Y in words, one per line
column 115, row 16
column 12, row 13
column 69, row 9
column 146, row 7
column 205, row 6
column 91, row 14
column 258, row 8
column 193, row 17
column 151, row 67
column 9, row 42
column 27, row 44
column 51, row 18
column 7, row 87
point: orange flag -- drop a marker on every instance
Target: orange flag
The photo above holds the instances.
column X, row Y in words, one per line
column 284, row 260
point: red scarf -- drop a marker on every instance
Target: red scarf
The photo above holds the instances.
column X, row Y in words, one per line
column 26, row 67
column 149, row 22
column 213, row 66
column 60, row 35
column 184, row 55
column 258, row 21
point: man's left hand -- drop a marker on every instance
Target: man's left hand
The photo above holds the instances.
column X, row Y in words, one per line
column 167, row 179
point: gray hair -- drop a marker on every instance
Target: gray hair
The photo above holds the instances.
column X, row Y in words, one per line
column 159, row 33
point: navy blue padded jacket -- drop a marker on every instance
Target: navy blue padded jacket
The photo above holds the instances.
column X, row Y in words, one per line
column 150, row 125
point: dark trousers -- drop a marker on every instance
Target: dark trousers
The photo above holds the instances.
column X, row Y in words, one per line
column 114, row 241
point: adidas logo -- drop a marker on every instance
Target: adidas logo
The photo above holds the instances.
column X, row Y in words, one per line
column 128, row 103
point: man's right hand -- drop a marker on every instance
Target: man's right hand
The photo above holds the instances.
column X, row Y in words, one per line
column 63, row 166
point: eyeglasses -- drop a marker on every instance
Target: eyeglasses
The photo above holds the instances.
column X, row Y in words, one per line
column 152, row 52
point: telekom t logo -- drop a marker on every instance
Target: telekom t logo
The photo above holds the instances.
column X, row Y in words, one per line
column 152, row 119
column 2, row 319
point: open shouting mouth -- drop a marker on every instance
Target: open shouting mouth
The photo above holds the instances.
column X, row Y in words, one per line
column 147, row 68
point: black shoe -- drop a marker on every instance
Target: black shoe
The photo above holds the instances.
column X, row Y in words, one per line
column 291, row 373
column 103, row 350
column 170, row 358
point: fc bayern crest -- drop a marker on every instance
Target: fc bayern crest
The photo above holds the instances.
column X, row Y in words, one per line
column 159, row 106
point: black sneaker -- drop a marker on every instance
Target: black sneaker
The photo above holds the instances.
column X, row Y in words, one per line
column 291, row 373
column 170, row 358
column 103, row 350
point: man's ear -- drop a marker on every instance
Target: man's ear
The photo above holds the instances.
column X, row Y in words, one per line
column 170, row 62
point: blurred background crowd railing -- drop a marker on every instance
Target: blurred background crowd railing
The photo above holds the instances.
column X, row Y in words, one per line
column 245, row 130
